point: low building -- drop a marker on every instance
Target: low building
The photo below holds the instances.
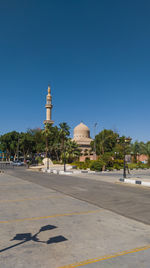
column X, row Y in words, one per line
column 2, row 156
column 142, row 158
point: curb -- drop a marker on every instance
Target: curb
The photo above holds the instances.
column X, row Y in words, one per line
column 67, row 172
column 143, row 183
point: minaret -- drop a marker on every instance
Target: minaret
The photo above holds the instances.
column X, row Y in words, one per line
column 48, row 107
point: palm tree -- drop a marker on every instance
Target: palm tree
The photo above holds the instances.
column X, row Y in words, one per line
column 72, row 152
column 46, row 133
column 64, row 133
column 136, row 149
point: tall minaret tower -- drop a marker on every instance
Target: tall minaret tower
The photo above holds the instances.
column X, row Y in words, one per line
column 48, row 107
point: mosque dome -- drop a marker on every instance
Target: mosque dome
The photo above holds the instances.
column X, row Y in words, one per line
column 81, row 132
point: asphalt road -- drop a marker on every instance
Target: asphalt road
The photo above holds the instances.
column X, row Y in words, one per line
column 129, row 201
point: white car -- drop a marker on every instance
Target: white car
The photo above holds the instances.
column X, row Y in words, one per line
column 17, row 163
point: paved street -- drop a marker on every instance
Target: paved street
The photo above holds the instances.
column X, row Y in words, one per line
column 65, row 222
column 122, row 199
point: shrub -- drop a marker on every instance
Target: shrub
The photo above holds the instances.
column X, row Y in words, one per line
column 141, row 165
column 132, row 165
column 138, row 165
column 107, row 159
column 118, row 164
column 39, row 159
column 97, row 165
column 56, row 162
column 81, row 165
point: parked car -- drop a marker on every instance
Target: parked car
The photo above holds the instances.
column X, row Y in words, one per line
column 17, row 163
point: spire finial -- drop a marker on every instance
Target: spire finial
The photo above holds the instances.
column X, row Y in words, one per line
column 49, row 90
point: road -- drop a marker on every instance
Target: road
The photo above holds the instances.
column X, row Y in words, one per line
column 129, row 201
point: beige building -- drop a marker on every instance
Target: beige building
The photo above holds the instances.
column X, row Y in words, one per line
column 82, row 138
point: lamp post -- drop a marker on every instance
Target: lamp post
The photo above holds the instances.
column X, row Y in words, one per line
column 125, row 142
column 64, row 159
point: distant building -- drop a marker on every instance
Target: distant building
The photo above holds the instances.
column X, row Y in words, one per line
column 82, row 138
column 2, row 156
column 142, row 158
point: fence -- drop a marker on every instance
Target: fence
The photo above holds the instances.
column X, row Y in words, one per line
column 5, row 165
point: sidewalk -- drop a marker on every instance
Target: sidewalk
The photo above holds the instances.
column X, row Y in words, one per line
column 137, row 177
column 144, row 181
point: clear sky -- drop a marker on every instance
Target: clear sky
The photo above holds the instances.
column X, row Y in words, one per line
column 94, row 53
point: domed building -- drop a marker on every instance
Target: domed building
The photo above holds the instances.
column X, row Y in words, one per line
column 82, row 138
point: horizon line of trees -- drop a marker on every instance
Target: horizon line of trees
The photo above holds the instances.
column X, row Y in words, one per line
column 107, row 142
column 52, row 141
column 55, row 142
column 111, row 149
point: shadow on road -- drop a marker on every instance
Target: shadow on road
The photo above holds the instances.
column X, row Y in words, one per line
column 25, row 237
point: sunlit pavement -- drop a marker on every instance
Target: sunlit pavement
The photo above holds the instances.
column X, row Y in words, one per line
column 41, row 227
column 114, row 176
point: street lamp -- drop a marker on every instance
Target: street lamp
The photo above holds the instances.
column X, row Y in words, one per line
column 64, row 159
column 125, row 142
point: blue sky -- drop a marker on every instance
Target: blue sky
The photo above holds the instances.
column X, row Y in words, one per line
column 94, row 53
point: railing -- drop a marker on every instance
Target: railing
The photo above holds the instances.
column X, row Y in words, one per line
column 5, row 165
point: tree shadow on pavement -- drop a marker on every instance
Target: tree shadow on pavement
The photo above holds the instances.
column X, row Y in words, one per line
column 26, row 237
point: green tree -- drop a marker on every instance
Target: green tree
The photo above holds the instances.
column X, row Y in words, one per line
column 54, row 143
column 9, row 144
column 63, row 135
column 136, row 148
column 27, row 144
column 54, row 139
column 64, row 131
column 38, row 139
column 46, row 133
column 105, row 141
column 72, row 152
column 107, row 159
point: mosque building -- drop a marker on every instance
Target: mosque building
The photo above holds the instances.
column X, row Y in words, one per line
column 82, row 138
column 81, row 131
